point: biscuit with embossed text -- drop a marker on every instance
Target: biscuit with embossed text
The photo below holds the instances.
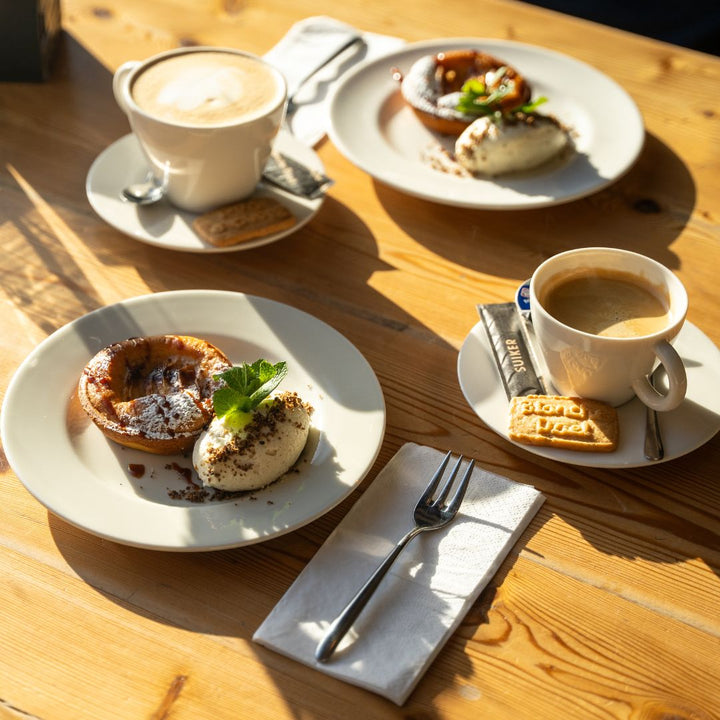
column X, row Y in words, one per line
column 564, row 422
column 243, row 221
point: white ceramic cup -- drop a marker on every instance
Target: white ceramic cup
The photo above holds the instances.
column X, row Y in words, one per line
column 203, row 166
column 610, row 369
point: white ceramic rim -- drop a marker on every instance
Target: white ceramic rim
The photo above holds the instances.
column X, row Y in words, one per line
column 165, row 226
column 374, row 128
column 678, row 305
column 245, row 120
column 689, row 426
column 83, row 478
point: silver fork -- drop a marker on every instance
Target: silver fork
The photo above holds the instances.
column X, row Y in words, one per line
column 431, row 513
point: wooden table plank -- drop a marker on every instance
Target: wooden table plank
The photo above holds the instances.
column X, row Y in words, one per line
column 609, row 605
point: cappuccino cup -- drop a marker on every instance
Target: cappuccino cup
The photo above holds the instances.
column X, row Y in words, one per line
column 206, row 119
column 603, row 318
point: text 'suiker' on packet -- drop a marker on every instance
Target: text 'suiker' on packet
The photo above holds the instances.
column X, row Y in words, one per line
column 511, row 349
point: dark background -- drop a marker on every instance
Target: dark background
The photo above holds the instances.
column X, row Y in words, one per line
column 691, row 23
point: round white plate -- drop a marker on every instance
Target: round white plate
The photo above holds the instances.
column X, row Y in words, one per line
column 162, row 224
column 70, row 467
column 684, row 429
column 374, row 128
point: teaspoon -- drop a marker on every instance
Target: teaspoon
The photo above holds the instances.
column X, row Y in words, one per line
column 144, row 193
column 654, row 449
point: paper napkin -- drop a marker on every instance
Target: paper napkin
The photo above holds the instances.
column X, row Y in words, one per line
column 426, row 593
column 308, row 42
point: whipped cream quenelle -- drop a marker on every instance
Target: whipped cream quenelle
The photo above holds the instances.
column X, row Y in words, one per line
column 522, row 142
column 257, row 454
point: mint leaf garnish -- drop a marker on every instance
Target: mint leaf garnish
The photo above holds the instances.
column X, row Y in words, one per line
column 246, row 386
column 531, row 106
column 478, row 99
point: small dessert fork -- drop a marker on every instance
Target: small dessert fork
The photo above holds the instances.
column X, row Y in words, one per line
column 430, row 514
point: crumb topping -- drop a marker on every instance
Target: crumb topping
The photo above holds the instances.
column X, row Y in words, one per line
column 261, row 452
column 265, row 424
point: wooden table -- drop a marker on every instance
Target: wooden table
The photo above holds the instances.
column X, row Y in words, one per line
column 609, row 605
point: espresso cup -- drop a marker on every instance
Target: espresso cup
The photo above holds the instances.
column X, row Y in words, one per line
column 603, row 318
column 206, row 119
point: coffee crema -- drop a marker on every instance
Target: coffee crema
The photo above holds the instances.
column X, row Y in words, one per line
column 608, row 303
column 206, row 88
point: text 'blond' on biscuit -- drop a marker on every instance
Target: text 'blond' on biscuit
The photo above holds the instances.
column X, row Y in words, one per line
column 564, row 422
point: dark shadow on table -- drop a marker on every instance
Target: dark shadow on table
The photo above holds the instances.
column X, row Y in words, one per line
column 644, row 211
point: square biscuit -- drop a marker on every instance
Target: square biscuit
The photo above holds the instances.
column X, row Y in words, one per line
column 243, row 221
column 564, row 422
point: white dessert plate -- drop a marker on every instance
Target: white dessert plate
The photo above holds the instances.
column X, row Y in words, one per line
column 162, row 224
column 87, row 480
column 374, row 128
column 684, row 429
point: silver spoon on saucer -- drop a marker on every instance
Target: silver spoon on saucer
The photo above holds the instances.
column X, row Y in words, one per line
column 654, row 449
column 144, row 193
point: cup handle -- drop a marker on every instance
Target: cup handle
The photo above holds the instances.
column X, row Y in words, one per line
column 677, row 381
column 119, row 82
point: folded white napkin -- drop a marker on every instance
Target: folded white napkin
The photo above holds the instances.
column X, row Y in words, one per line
column 306, row 43
column 426, row 593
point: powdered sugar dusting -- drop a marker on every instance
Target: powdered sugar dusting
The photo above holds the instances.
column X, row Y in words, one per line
column 159, row 387
column 160, row 416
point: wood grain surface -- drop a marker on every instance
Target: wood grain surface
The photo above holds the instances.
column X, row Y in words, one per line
column 608, row 608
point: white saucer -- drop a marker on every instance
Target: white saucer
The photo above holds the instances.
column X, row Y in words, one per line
column 163, row 225
column 374, row 128
column 86, row 479
column 684, row 429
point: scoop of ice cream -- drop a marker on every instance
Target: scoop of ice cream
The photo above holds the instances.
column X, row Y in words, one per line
column 258, row 454
column 522, row 142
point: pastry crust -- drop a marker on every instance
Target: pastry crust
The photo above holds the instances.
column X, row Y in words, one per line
column 434, row 77
column 152, row 393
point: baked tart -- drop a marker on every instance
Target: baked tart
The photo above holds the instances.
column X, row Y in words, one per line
column 153, row 393
column 434, row 84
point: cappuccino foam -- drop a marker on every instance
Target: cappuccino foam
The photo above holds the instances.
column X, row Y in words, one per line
column 605, row 302
column 206, row 88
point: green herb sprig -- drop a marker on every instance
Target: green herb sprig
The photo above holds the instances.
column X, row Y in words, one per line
column 246, row 386
column 477, row 99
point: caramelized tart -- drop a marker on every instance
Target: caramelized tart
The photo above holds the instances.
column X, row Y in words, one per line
column 152, row 393
column 434, row 82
